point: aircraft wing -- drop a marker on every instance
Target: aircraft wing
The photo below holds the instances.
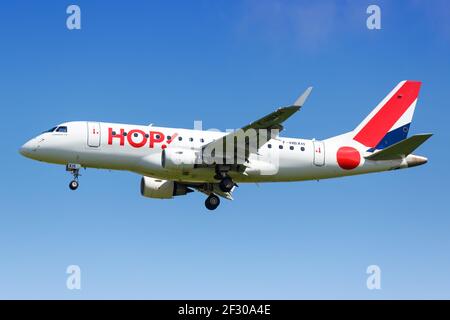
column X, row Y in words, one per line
column 276, row 118
column 272, row 121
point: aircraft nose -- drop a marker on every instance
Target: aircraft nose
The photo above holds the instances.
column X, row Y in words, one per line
column 28, row 147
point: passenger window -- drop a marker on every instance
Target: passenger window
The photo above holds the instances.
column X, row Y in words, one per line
column 180, row 138
column 302, row 148
column 202, row 140
column 191, row 139
column 291, row 147
column 280, row 146
column 269, row 146
column 169, row 138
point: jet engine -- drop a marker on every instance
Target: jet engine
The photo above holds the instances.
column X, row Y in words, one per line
column 162, row 189
column 182, row 160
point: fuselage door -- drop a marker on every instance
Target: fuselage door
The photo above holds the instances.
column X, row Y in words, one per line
column 93, row 136
column 319, row 153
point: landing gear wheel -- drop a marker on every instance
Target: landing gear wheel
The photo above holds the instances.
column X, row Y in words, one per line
column 73, row 185
column 212, row 202
column 226, row 184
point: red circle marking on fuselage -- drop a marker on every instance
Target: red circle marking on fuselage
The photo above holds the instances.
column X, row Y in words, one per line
column 348, row 158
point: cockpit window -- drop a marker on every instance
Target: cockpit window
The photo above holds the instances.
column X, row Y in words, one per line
column 51, row 130
column 61, row 129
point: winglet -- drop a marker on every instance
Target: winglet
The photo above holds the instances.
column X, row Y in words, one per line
column 301, row 100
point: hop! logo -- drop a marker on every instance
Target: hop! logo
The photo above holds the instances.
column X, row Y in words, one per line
column 138, row 138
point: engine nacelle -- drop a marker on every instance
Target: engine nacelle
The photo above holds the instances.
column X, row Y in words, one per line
column 182, row 160
column 162, row 189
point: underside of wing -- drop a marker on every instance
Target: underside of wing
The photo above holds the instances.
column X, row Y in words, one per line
column 211, row 188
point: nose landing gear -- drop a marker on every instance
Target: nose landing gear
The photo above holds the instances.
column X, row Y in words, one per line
column 74, row 169
column 73, row 185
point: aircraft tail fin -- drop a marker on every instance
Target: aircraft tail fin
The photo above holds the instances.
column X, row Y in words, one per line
column 389, row 122
column 401, row 149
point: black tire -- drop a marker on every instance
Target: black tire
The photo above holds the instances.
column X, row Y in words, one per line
column 226, row 184
column 73, row 185
column 212, row 202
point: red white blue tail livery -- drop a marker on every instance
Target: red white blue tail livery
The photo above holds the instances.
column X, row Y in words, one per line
column 389, row 122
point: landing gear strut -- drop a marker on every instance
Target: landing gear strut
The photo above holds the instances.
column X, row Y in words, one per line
column 212, row 202
column 75, row 170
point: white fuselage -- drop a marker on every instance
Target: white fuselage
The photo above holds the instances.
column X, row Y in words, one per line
column 138, row 149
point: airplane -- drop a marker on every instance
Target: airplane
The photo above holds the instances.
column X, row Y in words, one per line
column 175, row 161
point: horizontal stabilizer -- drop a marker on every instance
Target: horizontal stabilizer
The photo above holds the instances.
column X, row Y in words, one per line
column 400, row 149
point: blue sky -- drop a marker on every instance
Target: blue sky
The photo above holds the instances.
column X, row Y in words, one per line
column 225, row 63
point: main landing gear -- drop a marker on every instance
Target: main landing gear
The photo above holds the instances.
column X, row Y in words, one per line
column 212, row 202
column 74, row 169
column 226, row 184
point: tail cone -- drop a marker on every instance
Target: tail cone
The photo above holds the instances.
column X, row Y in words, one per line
column 414, row 161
